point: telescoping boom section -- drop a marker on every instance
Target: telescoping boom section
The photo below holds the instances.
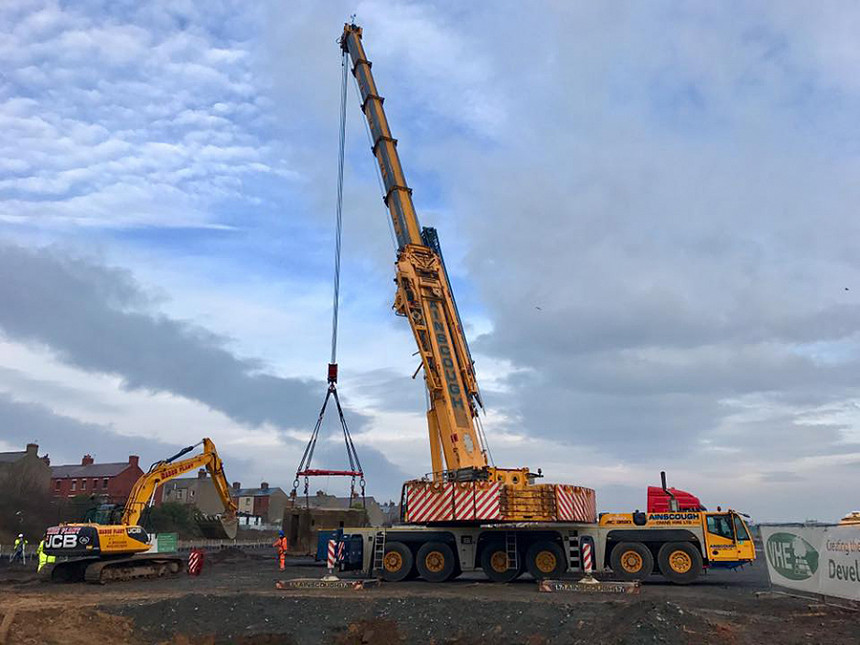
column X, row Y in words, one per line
column 464, row 486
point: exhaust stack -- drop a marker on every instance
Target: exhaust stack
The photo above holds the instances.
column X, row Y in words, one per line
column 673, row 503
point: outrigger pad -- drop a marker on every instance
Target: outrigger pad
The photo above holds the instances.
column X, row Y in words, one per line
column 580, row 586
column 317, row 583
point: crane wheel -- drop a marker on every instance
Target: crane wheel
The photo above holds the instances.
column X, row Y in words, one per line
column 545, row 560
column 435, row 562
column 679, row 562
column 494, row 562
column 631, row 561
column 397, row 563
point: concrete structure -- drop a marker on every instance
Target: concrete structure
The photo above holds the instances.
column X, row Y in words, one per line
column 198, row 491
column 265, row 503
column 114, row 480
column 26, row 467
column 302, row 525
column 376, row 516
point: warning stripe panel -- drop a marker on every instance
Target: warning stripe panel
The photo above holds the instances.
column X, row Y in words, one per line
column 575, row 504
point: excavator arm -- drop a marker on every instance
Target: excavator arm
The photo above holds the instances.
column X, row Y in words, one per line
column 161, row 471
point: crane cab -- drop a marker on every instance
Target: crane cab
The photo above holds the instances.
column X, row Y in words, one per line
column 728, row 542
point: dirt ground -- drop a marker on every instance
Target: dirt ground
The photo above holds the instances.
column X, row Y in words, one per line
column 235, row 601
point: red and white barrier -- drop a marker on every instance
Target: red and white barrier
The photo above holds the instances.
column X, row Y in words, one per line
column 332, row 555
column 195, row 562
column 587, row 561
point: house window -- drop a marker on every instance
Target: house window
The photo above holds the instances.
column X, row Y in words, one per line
column 191, row 492
column 104, row 483
column 83, row 484
column 95, row 483
column 57, row 485
column 74, row 484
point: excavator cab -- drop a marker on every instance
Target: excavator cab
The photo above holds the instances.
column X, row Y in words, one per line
column 727, row 539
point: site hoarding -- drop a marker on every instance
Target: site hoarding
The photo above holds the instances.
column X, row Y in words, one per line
column 821, row 559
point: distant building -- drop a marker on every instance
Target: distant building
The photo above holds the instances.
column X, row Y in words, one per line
column 198, row 491
column 376, row 516
column 27, row 466
column 259, row 506
column 114, row 480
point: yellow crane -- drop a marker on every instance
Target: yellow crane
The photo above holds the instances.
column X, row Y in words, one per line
column 469, row 514
column 103, row 552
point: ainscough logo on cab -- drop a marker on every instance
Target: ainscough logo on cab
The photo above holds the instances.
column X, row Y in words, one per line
column 791, row 556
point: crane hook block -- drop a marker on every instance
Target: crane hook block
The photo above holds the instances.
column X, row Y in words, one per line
column 332, row 372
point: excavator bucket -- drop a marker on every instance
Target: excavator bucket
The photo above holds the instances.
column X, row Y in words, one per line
column 218, row 527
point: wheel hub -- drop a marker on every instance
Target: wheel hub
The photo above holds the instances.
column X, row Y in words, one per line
column 499, row 561
column 680, row 561
column 393, row 561
column 434, row 561
column 546, row 561
column 631, row 561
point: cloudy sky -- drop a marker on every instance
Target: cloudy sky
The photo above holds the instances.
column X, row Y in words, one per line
column 647, row 210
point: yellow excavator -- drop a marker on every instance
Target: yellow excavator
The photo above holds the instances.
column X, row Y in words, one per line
column 101, row 553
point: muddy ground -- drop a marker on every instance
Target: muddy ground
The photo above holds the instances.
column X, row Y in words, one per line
column 235, row 601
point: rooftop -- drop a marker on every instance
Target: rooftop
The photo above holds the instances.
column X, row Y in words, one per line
column 92, row 470
column 12, row 457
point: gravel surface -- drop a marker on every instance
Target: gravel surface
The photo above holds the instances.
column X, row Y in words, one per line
column 235, row 601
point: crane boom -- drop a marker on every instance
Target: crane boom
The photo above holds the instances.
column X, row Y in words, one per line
column 424, row 294
column 425, row 298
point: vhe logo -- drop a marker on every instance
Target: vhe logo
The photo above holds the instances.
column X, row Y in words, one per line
column 791, row 556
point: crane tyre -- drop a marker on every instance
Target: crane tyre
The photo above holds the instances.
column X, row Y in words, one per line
column 435, row 562
column 545, row 560
column 631, row 561
column 679, row 562
column 494, row 562
column 397, row 563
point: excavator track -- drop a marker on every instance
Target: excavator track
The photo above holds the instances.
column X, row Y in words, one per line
column 102, row 571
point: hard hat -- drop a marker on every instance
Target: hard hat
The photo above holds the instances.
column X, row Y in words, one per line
column 20, row 535
column 280, row 534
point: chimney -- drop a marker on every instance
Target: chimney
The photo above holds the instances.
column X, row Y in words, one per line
column 132, row 460
column 237, row 486
column 87, row 460
column 264, row 486
column 201, row 473
column 32, row 449
column 47, row 460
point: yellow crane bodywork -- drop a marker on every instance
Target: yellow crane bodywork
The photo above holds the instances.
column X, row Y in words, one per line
column 425, row 299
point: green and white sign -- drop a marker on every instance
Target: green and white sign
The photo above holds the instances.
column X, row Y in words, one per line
column 823, row 560
column 791, row 556
column 166, row 542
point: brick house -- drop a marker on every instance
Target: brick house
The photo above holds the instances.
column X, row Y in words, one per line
column 114, row 480
column 264, row 504
column 26, row 465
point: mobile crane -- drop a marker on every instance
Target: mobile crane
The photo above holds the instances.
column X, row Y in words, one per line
column 468, row 514
column 100, row 553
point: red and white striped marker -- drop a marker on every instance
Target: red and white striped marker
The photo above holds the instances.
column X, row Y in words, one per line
column 332, row 555
column 195, row 562
column 587, row 563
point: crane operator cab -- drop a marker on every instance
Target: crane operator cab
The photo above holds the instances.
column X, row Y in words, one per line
column 727, row 539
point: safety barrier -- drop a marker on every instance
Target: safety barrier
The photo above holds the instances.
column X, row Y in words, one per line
column 217, row 545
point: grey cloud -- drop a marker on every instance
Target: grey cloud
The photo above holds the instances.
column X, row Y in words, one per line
column 100, row 319
column 66, row 439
